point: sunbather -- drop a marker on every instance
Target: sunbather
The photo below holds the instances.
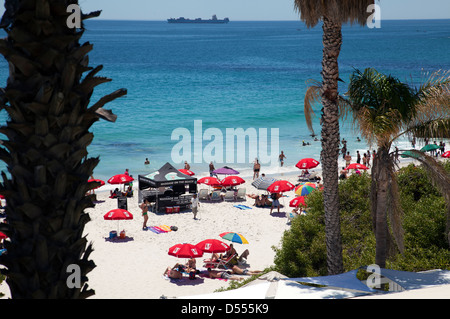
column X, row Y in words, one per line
column 239, row 271
column 222, row 274
column 115, row 193
column 258, row 201
column 173, row 272
column 191, row 265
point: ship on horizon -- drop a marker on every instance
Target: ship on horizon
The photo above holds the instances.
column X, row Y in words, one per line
column 198, row 20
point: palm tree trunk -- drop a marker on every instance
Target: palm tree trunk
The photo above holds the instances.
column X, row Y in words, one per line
column 332, row 40
column 380, row 177
column 47, row 100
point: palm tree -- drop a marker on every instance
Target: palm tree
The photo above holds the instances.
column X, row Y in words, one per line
column 383, row 109
column 47, row 133
column 333, row 14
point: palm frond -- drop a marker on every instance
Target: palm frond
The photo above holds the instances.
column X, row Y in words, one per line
column 312, row 96
column 338, row 11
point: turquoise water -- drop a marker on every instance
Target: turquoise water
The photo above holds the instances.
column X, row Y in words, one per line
column 248, row 75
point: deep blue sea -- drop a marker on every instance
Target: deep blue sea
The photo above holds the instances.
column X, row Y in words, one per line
column 248, row 75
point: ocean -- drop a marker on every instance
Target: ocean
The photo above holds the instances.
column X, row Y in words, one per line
column 191, row 87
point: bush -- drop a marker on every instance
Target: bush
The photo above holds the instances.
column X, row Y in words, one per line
column 303, row 248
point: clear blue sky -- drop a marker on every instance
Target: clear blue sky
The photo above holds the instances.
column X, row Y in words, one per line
column 247, row 9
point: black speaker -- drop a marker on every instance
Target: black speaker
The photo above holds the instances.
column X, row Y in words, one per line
column 122, row 202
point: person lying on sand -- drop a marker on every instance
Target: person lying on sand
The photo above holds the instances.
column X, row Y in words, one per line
column 222, row 274
column 239, row 271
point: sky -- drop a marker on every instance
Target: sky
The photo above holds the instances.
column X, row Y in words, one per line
column 246, row 9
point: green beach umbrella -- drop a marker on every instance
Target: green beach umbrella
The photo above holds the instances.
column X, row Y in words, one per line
column 429, row 147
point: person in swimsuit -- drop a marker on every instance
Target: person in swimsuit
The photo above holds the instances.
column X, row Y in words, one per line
column 281, row 157
column 173, row 272
column 144, row 206
column 222, row 274
column 256, row 168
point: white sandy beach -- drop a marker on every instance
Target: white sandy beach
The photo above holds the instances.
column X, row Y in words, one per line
column 133, row 268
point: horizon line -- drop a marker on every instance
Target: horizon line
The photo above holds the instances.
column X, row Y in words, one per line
column 239, row 20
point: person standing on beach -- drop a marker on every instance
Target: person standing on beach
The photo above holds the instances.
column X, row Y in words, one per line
column 211, row 169
column 275, row 202
column 281, row 157
column 256, row 168
column 358, row 157
column 144, row 206
column 348, row 159
column 195, row 205
column 186, row 165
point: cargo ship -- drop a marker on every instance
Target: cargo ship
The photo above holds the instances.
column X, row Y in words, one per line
column 198, row 20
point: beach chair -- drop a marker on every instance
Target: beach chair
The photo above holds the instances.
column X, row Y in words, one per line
column 291, row 216
column 229, row 195
column 312, row 177
column 240, row 194
column 203, row 194
column 215, row 196
column 221, row 263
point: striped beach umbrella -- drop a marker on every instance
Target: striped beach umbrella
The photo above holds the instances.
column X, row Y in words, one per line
column 305, row 189
column 263, row 182
column 234, row 237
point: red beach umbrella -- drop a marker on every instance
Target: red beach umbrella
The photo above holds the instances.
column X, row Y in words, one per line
column 446, row 154
column 185, row 251
column 118, row 214
column 212, row 246
column 120, row 179
column 307, row 163
column 232, row 181
column 186, row 172
column 280, row 187
column 356, row 166
column 211, row 181
column 297, row 201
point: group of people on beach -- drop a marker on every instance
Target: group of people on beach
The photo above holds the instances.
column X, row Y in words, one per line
column 190, row 268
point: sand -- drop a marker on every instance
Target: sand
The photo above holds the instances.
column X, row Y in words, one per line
column 133, row 268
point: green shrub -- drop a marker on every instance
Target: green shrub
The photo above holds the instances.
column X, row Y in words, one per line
column 303, row 248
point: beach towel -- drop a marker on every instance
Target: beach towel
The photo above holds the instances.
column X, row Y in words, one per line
column 242, row 207
column 159, row 229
